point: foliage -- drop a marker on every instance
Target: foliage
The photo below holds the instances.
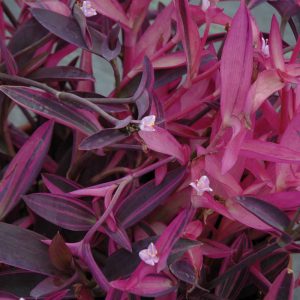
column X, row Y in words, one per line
column 182, row 183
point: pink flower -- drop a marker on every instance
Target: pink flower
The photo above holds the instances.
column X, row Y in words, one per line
column 201, row 185
column 265, row 47
column 87, row 9
column 147, row 123
column 205, row 5
column 149, row 255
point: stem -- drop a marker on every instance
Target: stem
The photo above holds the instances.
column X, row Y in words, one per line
column 64, row 96
column 109, row 209
column 117, row 75
column 27, row 81
column 111, row 100
column 76, row 99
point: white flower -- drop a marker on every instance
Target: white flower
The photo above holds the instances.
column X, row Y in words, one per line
column 147, row 123
column 265, row 47
column 149, row 255
column 87, row 9
column 205, row 5
column 201, row 185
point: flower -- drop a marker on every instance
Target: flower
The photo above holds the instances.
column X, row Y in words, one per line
column 149, row 255
column 147, row 123
column 201, row 185
column 205, row 5
column 265, row 47
column 87, row 9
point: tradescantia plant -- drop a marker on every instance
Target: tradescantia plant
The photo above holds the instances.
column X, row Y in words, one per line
column 182, row 183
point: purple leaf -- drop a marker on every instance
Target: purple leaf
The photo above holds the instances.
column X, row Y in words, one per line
column 47, row 105
column 238, row 56
column 64, row 211
column 144, row 200
column 24, row 249
column 24, row 168
column 266, row 212
column 102, row 139
column 59, row 185
column 60, row 73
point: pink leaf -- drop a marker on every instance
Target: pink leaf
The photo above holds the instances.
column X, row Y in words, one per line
column 276, row 46
column 269, row 151
column 267, row 83
column 113, row 10
column 162, row 141
column 236, row 65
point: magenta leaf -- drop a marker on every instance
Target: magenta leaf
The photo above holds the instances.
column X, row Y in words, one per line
column 60, row 73
column 266, row 212
column 145, row 199
column 24, row 168
column 48, row 106
column 64, row 211
column 237, row 55
column 102, row 139
column 34, row 257
column 282, row 287
column 189, row 34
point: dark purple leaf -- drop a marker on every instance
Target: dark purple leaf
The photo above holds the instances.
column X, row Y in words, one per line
column 19, row 282
column 130, row 260
column 23, row 249
column 68, row 29
column 57, row 184
column 184, row 271
column 47, row 105
column 24, row 168
column 144, row 200
column 60, row 73
column 64, row 211
column 102, row 139
column 49, row 286
column 142, row 96
column 265, row 211
column 82, row 22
